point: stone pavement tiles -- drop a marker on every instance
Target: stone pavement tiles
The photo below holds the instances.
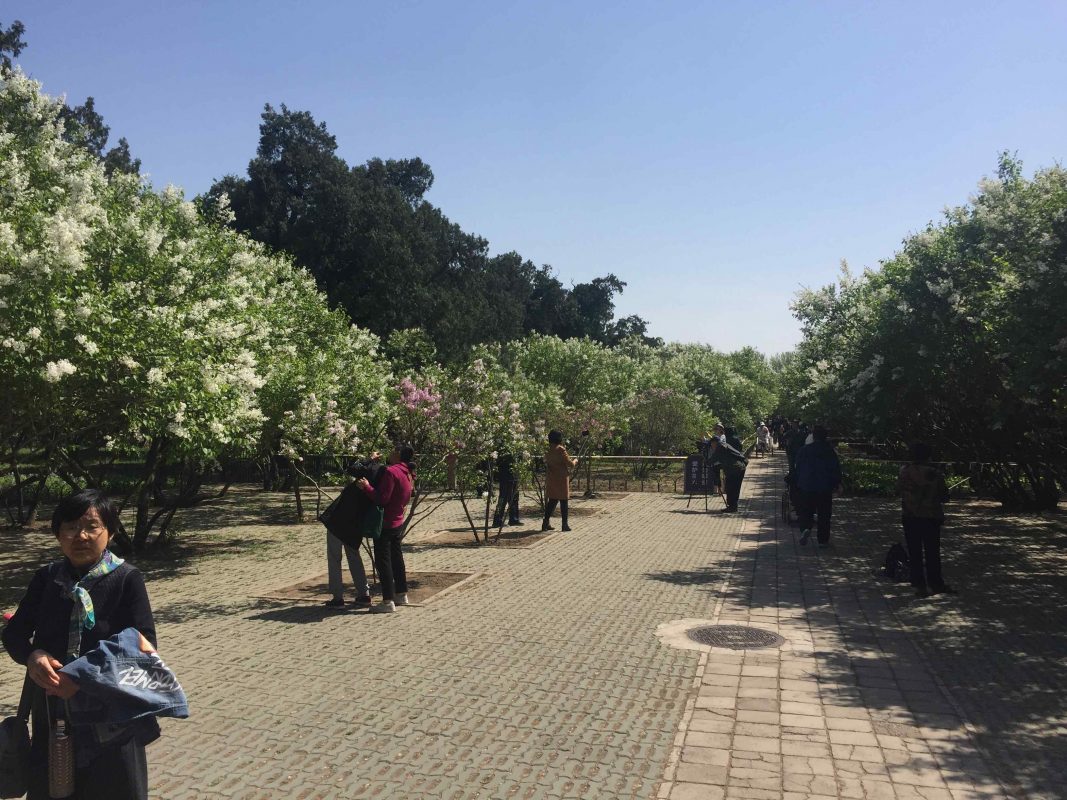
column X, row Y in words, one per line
column 1000, row 646
column 847, row 708
column 543, row 678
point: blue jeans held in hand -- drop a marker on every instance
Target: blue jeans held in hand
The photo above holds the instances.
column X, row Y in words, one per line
column 355, row 566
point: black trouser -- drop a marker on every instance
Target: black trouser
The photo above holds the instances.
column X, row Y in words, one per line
column 509, row 499
column 812, row 504
column 732, row 480
column 552, row 507
column 389, row 561
column 924, row 552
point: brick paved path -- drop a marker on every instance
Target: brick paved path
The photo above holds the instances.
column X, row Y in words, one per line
column 545, row 677
column 847, row 708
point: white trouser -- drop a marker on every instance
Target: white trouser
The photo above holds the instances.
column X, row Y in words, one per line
column 355, row 566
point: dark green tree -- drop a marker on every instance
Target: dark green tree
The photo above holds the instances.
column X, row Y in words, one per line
column 391, row 259
column 118, row 159
column 11, row 43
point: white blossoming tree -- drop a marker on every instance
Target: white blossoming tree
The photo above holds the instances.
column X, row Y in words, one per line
column 133, row 329
column 959, row 339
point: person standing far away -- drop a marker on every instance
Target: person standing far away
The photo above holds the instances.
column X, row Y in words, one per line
column 798, row 437
column 392, row 494
column 732, row 463
column 508, row 496
column 352, row 505
column 558, row 468
column 922, row 497
column 818, row 476
column 763, row 438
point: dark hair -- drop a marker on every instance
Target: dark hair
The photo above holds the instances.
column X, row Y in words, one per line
column 407, row 455
column 920, row 452
column 555, row 437
column 819, row 433
column 729, row 431
column 72, row 507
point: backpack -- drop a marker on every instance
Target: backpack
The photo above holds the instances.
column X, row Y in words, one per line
column 897, row 567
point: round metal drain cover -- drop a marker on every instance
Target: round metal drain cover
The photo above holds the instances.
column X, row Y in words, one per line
column 735, row 637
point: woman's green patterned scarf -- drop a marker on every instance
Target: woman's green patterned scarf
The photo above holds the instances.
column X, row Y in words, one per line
column 82, row 616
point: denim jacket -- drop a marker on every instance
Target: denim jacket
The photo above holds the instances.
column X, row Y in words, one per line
column 119, row 683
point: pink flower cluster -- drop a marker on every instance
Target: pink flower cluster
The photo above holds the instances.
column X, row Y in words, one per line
column 422, row 401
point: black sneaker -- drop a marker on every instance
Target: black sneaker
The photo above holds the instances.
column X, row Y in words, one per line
column 546, row 527
column 363, row 602
column 497, row 523
column 514, row 522
column 334, row 603
column 566, row 527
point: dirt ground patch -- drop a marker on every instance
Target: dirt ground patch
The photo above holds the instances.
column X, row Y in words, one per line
column 509, row 537
column 421, row 587
column 575, row 510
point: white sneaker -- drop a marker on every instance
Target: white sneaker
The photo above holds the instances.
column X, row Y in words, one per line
column 402, row 599
column 384, row 607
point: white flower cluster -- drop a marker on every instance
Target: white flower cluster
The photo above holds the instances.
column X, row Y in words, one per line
column 55, row 371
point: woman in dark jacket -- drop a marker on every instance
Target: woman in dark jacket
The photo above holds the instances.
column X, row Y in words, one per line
column 818, row 476
column 70, row 606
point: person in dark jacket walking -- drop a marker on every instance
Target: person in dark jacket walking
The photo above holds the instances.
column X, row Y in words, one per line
column 922, row 497
column 818, row 476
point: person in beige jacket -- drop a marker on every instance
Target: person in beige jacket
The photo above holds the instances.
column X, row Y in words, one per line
column 558, row 468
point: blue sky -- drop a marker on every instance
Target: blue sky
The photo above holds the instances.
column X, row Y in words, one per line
column 715, row 156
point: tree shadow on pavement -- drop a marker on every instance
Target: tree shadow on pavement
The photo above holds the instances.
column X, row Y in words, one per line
column 305, row 613
column 999, row 647
column 181, row 612
column 712, row 577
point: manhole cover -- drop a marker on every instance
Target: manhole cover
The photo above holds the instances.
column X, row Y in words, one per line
column 734, row 637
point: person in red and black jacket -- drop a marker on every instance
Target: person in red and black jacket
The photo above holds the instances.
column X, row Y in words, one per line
column 392, row 493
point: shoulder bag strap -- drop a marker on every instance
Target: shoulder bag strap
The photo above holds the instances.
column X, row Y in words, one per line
column 26, row 701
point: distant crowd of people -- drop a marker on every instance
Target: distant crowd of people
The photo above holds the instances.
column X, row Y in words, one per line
column 381, row 494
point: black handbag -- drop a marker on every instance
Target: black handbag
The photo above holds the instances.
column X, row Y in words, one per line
column 15, row 747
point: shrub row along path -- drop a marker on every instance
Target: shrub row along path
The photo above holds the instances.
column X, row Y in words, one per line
column 545, row 678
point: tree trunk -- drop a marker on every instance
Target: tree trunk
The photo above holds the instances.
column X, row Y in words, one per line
column 144, row 495
column 470, row 519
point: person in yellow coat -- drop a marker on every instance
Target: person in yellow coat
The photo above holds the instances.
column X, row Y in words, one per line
column 558, row 468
